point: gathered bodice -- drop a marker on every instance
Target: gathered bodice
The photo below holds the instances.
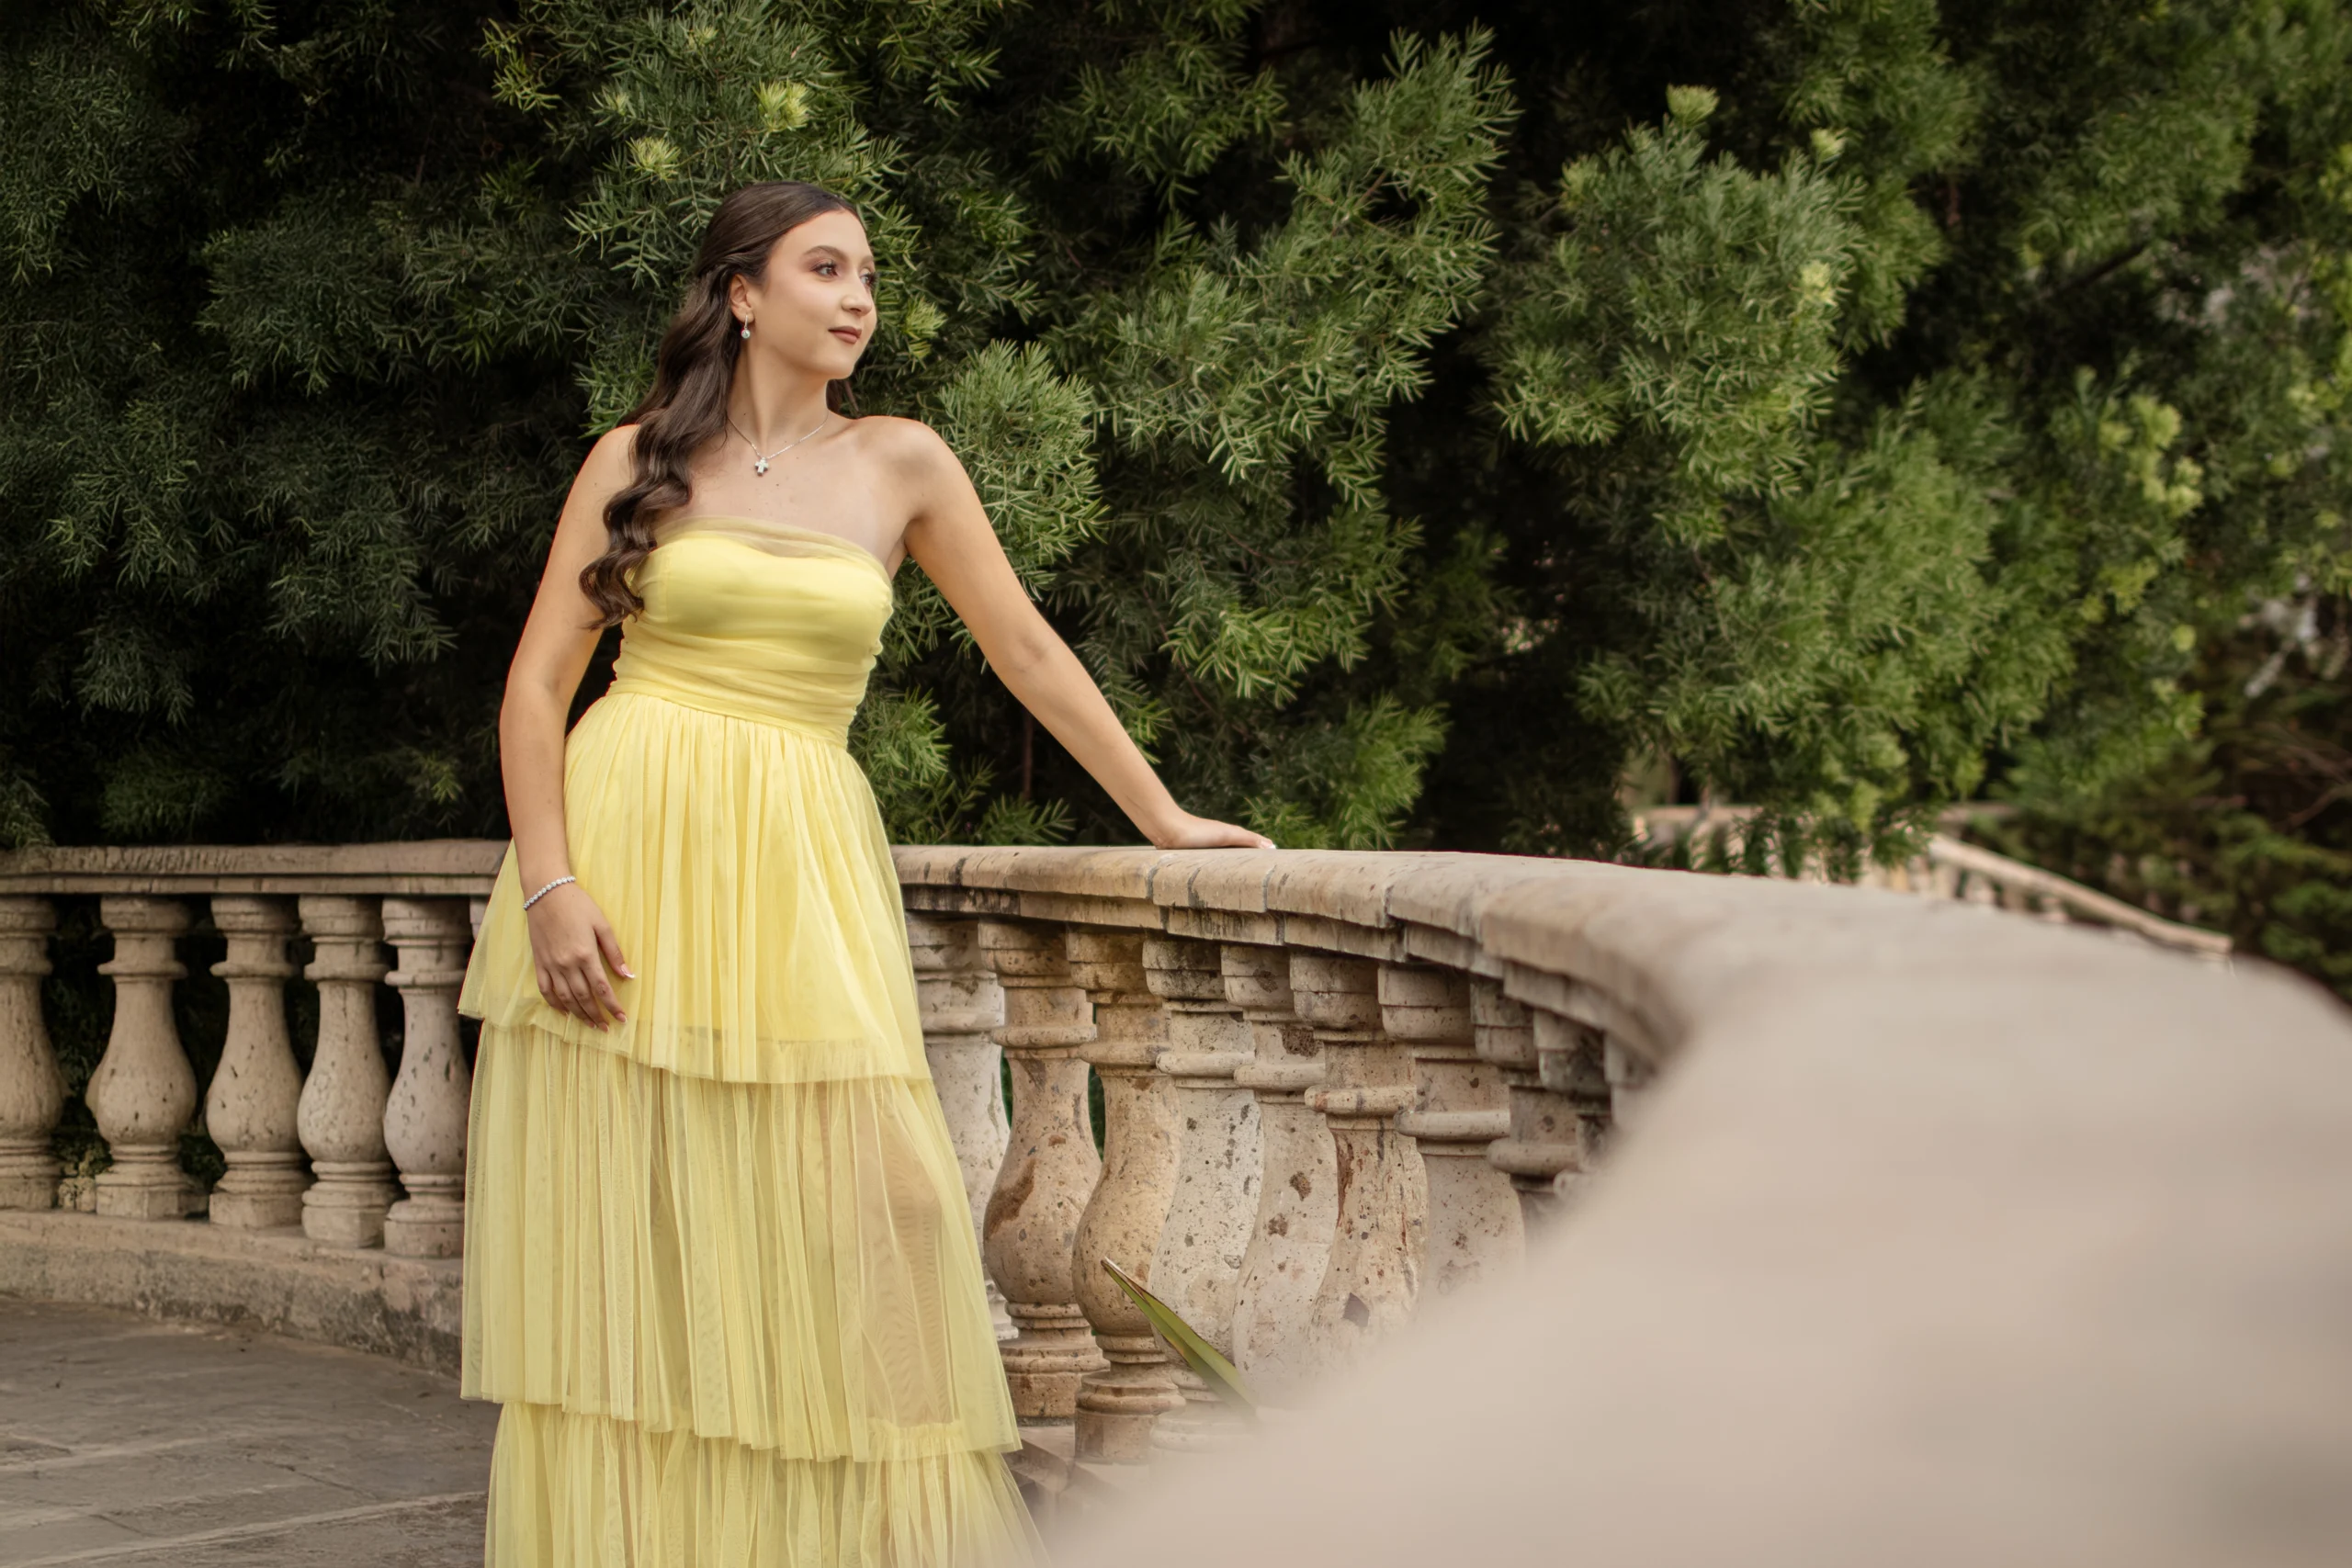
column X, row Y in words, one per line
column 757, row 620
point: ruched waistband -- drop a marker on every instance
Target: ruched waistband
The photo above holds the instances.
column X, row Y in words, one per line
column 704, row 700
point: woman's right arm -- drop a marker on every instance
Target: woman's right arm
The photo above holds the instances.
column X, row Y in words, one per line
column 572, row 943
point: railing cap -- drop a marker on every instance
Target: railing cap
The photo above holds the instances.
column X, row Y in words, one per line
column 422, row 867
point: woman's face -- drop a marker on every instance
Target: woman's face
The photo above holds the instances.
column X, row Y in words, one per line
column 815, row 309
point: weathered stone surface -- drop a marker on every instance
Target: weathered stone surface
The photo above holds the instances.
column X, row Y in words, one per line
column 1348, row 888
column 1225, row 925
column 131, row 1442
column 341, row 1117
column 1124, row 874
column 1118, row 1404
column 1050, row 1167
column 928, row 865
column 277, row 1281
column 1451, row 892
column 1459, row 1108
column 1219, row 1158
column 1216, row 1177
column 1373, row 1278
column 256, row 1091
column 455, row 867
column 425, row 1114
column 961, row 1004
column 143, row 1090
column 31, row 1091
column 1298, row 1187
column 1544, row 1141
column 1217, row 879
column 1096, row 887
column 1948, row 1238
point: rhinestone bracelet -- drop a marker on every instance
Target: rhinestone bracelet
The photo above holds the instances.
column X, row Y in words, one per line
column 548, row 889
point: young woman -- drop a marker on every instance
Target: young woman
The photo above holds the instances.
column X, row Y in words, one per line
column 720, row 1268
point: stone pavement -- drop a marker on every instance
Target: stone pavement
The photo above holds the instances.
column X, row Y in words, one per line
column 132, row 1442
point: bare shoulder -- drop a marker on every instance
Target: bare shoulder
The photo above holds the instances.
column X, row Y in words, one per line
column 608, row 467
column 907, row 449
column 609, row 460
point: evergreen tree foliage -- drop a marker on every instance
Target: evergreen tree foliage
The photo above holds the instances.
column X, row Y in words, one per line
column 2248, row 829
column 386, row 345
column 1430, row 423
column 1889, row 441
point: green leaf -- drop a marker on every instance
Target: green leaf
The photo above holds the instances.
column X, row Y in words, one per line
column 1208, row 1363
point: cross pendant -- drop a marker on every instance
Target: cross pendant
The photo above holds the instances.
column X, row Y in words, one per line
column 760, row 467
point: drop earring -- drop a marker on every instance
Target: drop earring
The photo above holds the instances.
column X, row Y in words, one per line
column 747, row 329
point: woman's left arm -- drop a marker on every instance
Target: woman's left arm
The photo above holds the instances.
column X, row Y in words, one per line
column 949, row 536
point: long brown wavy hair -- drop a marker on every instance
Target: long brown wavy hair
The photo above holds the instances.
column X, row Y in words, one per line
column 693, row 372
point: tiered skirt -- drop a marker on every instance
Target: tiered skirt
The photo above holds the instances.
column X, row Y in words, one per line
column 735, row 1315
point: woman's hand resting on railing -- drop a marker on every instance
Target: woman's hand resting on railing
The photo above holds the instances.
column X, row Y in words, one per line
column 572, row 944
column 1186, row 831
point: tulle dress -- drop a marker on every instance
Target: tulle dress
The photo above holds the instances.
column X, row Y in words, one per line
column 719, row 1267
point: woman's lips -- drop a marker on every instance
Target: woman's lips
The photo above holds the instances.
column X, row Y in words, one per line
column 847, row 334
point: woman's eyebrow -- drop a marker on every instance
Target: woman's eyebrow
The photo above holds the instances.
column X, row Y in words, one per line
column 834, row 251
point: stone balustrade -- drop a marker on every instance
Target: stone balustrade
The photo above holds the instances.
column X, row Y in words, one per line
column 1329, row 1086
column 1946, row 867
column 1312, row 1112
column 356, row 1155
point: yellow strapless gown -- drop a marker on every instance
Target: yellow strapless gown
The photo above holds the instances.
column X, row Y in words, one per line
column 719, row 1267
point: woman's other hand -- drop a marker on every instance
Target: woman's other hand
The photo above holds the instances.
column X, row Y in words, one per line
column 572, row 944
column 1191, row 832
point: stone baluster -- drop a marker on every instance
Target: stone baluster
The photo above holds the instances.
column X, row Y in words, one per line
column 1029, row 1229
column 251, row 1106
column 1572, row 1064
column 960, row 1002
column 1118, row 1404
column 1375, row 1273
column 424, row 1116
column 1629, row 1075
column 342, row 1115
column 1572, row 1068
column 1459, row 1107
column 1298, row 1186
column 143, row 1090
column 32, row 1091
column 1552, row 1126
column 1217, row 1162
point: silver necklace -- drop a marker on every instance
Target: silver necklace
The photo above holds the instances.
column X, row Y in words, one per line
column 760, row 458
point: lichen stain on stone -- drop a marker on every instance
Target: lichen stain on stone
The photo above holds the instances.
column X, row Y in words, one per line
column 1004, row 1203
column 1301, row 1185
